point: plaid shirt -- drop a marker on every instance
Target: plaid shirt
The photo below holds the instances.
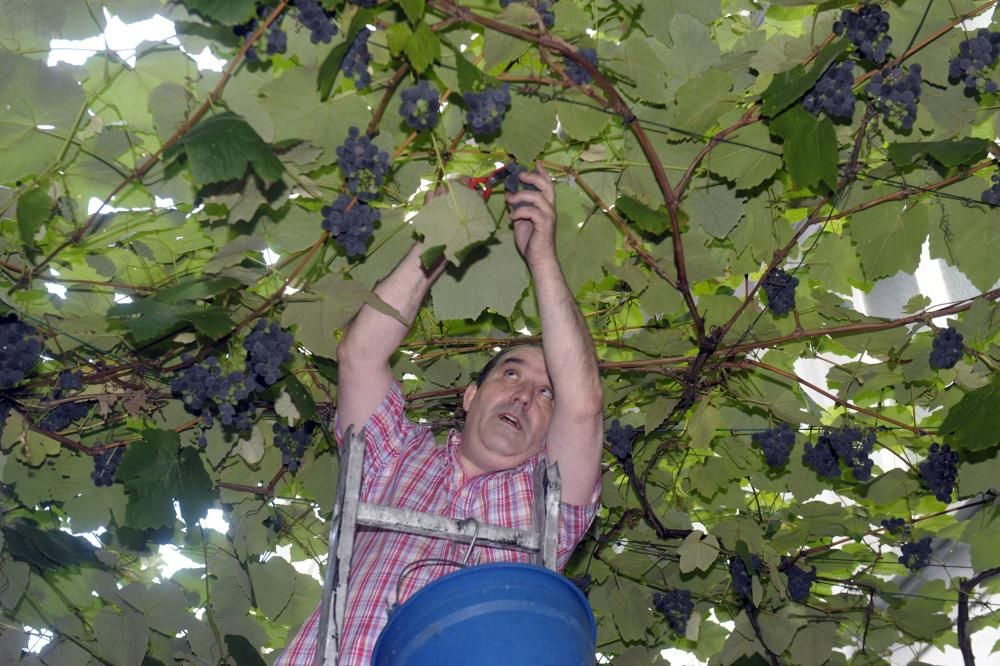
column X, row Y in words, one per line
column 405, row 467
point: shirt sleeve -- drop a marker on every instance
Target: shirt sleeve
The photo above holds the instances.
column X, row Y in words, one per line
column 385, row 430
column 574, row 520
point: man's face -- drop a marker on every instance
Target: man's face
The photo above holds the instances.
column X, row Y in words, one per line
column 507, row 416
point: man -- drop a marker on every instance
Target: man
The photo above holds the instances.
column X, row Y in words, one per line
column 529, row 402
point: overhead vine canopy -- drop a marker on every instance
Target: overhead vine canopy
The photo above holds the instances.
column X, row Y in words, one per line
column 180, row 250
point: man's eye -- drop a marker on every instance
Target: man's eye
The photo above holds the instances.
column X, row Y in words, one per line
column 510, row 373
column 548, row 393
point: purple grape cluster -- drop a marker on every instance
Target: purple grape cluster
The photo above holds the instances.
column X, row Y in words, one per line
column 582, row 583
column 364, row 165
column 940, row 470
column 867, row 29
column 833, row 93
column 947, row 349
column 620, row 439
column 69, row 380
column 64, row 415
column 293, row 443
column 5, row 408
column 742, row 578
column 780, row 289
column 421, row 105
column 845, row 445
column 514, row 184
column 317, row 20
column 799, row 581
column 776, row 444
column 485, row 110
column 895, row 93
column 20, row 348
column 676, row 607
column 209, row 392
column 893, row 525
column 106, row 464
column 991, row 196
column 277, row 40
column 355, row 63
column 543, row 7
column 575, row 71
column 975, row 57
column 916, row 554
column 351, row 225
column 268, row 348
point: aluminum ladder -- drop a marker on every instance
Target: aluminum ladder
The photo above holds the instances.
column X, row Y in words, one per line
column 350, row 512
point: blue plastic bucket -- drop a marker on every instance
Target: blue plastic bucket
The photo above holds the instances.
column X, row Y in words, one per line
column 502, row 614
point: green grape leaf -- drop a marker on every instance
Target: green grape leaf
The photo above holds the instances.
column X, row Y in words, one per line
column 974, row 423
column 223, row 147
column 810, row 147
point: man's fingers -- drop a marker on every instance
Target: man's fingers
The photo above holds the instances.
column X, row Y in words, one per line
column 531, row 198
column 540, row 179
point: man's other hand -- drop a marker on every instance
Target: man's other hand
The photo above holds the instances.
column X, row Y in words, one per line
column 535, row 222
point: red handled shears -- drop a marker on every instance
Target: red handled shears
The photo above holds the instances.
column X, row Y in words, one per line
column 485, row 184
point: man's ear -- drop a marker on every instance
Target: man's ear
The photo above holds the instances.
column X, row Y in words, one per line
column 470, row 393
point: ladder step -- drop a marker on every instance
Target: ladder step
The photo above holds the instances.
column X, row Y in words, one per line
column 415, row 522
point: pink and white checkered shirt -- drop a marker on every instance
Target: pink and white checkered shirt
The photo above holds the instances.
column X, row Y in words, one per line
column 405, row 467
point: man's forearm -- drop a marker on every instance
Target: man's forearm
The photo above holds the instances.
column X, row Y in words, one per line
column 376, row 336
column 363, row 355
column 567, row 345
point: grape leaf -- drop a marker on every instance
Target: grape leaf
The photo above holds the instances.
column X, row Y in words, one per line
column 223, row 147
column 810, row 146
column 974, row 423
column 156, row 471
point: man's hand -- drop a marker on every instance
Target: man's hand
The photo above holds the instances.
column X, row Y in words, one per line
column 534, row 222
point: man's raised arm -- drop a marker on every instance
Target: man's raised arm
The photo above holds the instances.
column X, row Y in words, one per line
column 363, row 373
column 575, row 434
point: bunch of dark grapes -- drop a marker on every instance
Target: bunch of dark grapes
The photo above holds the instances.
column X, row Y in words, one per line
column 351, row 225
column 421, row 104
column 780, row 289
column 355, row 63
column 5, row 408
column 895, row 93
column 867, row 29
column 20, row 348
column 833, row 93
column 893, row 525
column 315, row 19
column 575, row 71
column 620, row 439
column 106, row 464
column 776, row 444
column 676, row 606
column 916, row 554
column 65, row 415
column 992, row 195
column 946, row 349
column 940, row 470
column 277, row 40
column 293, row 443
column 975, row 57
column 485, row 110
column 845, row 445
column 513, row 183
column 544, row 8
column 69, row 380
column 363, row 164
column 799, row 581
column 268, row 347
column 209, row 392
column 742, row 578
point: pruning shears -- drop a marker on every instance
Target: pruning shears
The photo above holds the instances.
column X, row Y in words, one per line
column 485, row 184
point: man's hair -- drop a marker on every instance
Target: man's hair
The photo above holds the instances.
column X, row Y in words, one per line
column 492, row 363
